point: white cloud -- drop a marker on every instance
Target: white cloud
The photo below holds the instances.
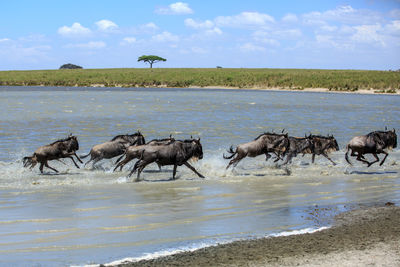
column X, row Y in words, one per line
column 393, row 28
column 89, row 45
column 328, row 28
column 4, row 40
column 199, row 25
column 368, row 34
column 178, row 8
column 106, row 25
column 250, row 47
column 290, row 18
column 343, row 14
column 76, row 30
column 244, row 19
column 150, row 26
column 165, row 37
column 128, row 41
column 213, row 31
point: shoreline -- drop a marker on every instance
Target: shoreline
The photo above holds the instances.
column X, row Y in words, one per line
column 271, row 89
column 358, row 237
column 309, row 90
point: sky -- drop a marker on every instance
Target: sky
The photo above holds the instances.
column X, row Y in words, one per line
column 44, row 34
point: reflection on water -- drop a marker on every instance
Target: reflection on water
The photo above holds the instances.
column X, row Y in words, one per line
column 83, row 216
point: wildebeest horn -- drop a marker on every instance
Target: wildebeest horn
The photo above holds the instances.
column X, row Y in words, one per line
column 283, row 130
column 394, row 130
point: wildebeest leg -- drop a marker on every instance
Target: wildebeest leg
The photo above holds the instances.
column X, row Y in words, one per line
column 235, row 161
column 376, row 159
column 91, row 158
column 77, row 158
column 119, row 159
column 159, row 166
column 288, row 159
column 193, row 169
column 73, row 161
column 33, row 164
column 95, row 161
column 41, row 167
column 386, row 154
column 326, row 156
column 139, row 166
column 361, row 158
column 267, row 156
column 313, row 158
column 122, row 163
column 47, row 165
column 173, row 172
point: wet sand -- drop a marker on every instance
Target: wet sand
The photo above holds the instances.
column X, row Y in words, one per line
column 358, row 238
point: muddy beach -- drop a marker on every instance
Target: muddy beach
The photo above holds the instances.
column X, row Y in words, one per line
column 358, row 238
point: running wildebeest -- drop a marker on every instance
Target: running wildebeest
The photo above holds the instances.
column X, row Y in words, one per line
column 322, row 145
column 176, row 153
column 264, row 144
column 63, row 148
column 298, row 145
column 114, row 147
column 134, row 152
column 373, row 143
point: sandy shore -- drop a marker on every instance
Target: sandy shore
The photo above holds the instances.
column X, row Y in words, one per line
column 358, row 238
column 315, row 90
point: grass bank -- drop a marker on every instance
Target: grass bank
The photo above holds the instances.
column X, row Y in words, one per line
column 334, row 80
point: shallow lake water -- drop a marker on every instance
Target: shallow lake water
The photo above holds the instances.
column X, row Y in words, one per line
column 83, row 216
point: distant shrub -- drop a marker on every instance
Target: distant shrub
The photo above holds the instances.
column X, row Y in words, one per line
column 70, row 66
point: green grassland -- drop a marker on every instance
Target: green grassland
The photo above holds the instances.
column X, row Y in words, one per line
column 335, row 80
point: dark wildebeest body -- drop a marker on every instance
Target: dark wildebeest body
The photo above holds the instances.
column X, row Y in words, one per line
column 113, row 148
column 298, row 145
column 63, row 148
column 322, row 145
column 135, row 152
column 176, row 153
column 264, row 144
column 373, row 143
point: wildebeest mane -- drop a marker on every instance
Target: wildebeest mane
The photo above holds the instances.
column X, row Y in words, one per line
column 62, row 140
column 123, row 135
column 268, row 133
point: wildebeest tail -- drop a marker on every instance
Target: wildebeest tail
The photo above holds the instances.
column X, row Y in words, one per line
column 233, row 153
column 84, row 156
column 346, row 156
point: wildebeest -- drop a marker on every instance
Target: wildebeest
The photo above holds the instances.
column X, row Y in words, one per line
column 322, row 145
column 264, row 144
column 134, row 152
column 115, row 147
column 63, row 148
column 298, row 145
column 176, row 153
column 373, row 143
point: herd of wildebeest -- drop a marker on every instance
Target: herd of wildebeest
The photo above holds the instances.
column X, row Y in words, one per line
column 170, row 151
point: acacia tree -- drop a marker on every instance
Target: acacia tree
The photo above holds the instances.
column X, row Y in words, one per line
column 151, row 59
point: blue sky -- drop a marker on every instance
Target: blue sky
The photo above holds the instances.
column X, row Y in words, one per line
column 42, row 34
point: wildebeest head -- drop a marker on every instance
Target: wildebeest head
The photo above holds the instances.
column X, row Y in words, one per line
column 139, row 138
column 332, row 144
column 307, row 145
column 391, row 138
column 73, row 144
column 281, row 144
column 197, row 148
